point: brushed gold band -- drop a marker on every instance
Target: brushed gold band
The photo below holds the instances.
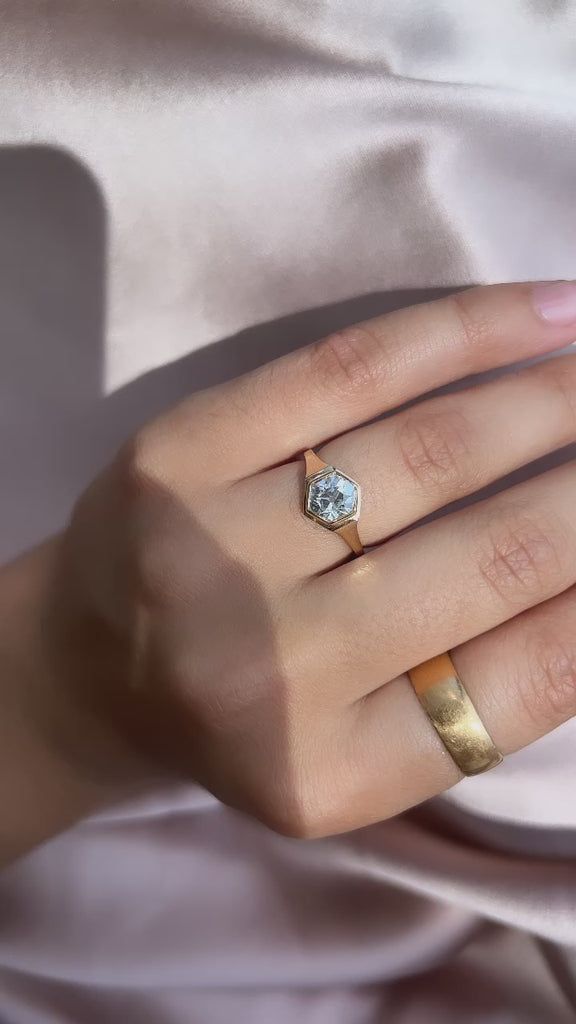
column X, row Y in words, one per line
column 346, row 526
column 443, row 696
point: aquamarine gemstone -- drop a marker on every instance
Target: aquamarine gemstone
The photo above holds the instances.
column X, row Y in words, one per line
column 332, row 497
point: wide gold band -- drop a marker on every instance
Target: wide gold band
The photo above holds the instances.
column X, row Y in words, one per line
column 442, row 695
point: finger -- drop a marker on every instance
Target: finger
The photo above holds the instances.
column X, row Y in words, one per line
column 303, row 399
column 420, row 460
column 437, row 587
column 449, row 447
column 521, row 678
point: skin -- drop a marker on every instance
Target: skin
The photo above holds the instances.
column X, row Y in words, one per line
column 192, row 621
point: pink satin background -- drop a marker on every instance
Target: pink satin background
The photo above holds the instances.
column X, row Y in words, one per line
column 176, row 173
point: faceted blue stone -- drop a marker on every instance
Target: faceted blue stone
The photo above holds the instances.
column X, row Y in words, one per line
column 332, row 497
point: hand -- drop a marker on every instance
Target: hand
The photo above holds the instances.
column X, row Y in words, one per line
column 223, row 634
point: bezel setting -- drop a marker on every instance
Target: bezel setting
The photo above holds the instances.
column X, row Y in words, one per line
column 349, row 517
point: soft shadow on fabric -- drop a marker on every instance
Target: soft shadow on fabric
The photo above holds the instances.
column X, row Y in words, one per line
column 52, row 250
column 57, row 428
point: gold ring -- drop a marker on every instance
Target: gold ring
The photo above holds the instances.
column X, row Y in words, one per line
column 443, row 696
column 332, row 499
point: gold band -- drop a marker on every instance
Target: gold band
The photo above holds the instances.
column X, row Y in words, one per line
column 350, row 534
column 443, row 696
column 346, row 524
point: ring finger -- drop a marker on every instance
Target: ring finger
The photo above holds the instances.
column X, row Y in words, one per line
column 437, row 587
column 521, row 678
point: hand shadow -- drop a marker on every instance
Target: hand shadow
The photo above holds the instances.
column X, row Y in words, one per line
column 52, row 251
column 57, row 427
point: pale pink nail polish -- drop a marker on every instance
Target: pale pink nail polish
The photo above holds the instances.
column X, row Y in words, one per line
column 556, row 302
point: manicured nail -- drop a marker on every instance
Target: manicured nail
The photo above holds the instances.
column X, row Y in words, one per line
column 556, row 302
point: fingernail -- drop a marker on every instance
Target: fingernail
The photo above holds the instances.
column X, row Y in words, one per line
column 556, row 302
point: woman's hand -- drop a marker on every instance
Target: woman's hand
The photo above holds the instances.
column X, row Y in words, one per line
column 216, row 630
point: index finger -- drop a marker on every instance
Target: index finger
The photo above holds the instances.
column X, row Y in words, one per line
column 301, row 400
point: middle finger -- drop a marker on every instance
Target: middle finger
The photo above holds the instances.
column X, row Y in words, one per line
column 422, row 459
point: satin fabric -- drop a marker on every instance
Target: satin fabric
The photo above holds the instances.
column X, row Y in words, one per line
column 187, row 188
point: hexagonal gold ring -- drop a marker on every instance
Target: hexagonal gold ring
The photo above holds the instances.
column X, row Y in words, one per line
column 332, row 499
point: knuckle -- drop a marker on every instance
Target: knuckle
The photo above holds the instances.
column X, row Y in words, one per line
column 299, row 804
column 289, row 818
column 435, row 448
column 348, row 361
column 550, row 694
column 153, row 579
column 139, row 465
column 148, row 502
column 298, row 821
column 474, row 328
column 522, row 558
